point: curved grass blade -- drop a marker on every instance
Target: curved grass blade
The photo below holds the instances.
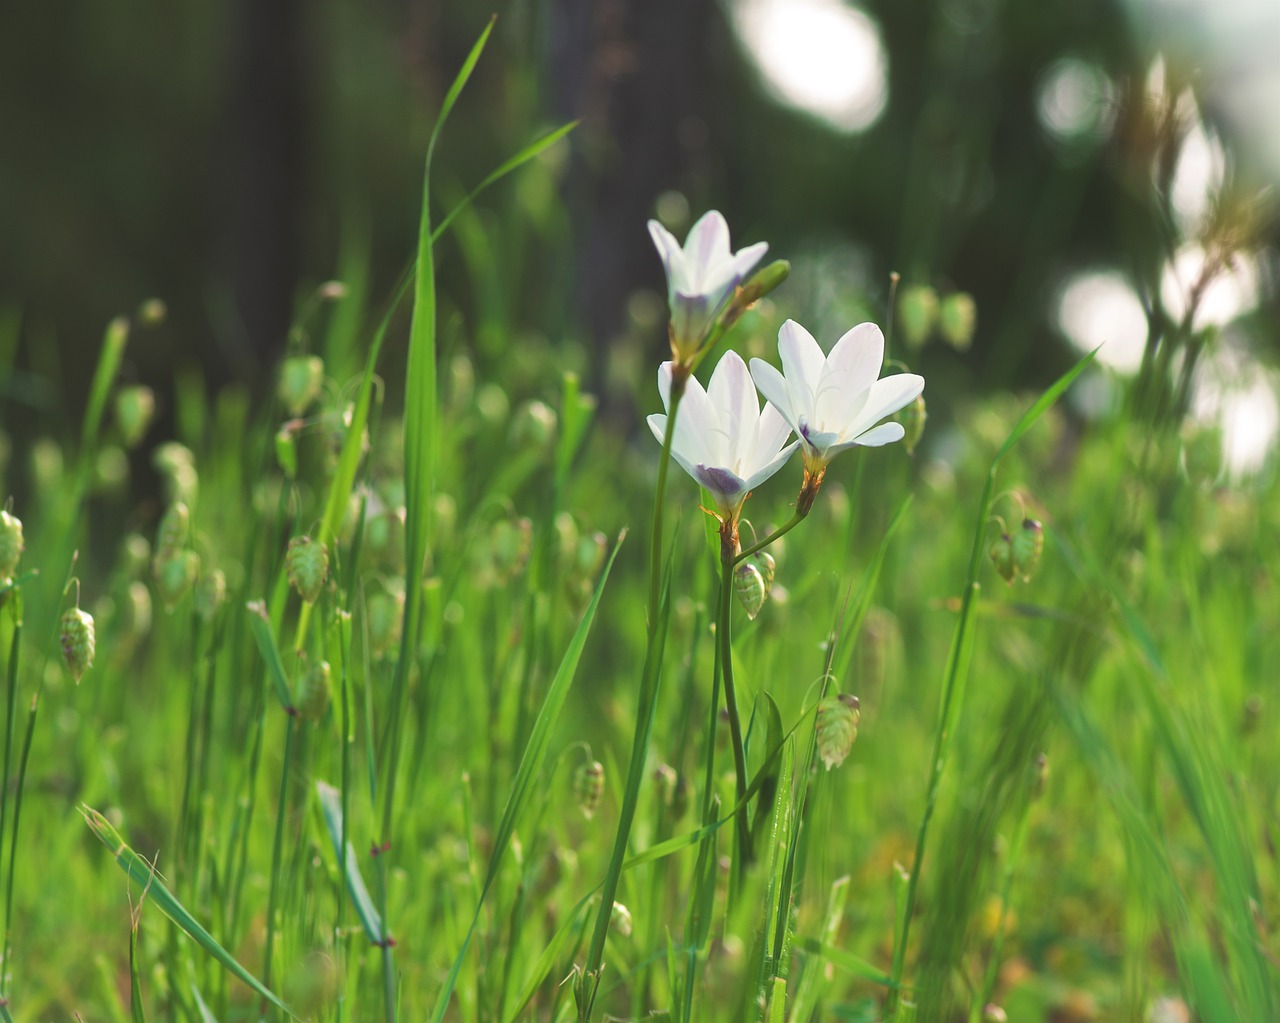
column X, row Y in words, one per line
column 531, row 763
column 143, row 874
column 331, row 804
column 522, row 157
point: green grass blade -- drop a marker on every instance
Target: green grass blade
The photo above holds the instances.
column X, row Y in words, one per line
column 846, row 961
column 206, row 1015
column 522, row 157
column 104, row 376
column 141, row 873
column 331, row 804
column 263, row 635
column 136, row 1011
column 547, row 959
column 531, row 763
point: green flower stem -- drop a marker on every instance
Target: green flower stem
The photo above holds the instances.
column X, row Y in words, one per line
column 724, row 634
column 679, row 378
column 15, row 603
column 782, row 530
column 645, row 713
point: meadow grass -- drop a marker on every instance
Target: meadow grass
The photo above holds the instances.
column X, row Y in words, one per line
column 367, row 798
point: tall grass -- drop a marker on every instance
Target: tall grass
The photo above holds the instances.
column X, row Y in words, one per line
column 400, row 836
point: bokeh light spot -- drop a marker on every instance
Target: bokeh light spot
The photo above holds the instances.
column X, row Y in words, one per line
column 820, row 56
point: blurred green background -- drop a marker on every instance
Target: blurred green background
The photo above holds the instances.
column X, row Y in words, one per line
column 230, row 156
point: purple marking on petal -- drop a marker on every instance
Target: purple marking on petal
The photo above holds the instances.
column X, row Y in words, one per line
column 718, row 480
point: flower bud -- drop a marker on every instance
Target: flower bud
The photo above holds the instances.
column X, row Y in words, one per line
column 313, row 692
column 759, row 284
column 301, row 378
column 1026, row 546
column 917, row 311
column 77, row 641
column 1002, row 557
column 307, row 566
column 135, row 407
column 957, row 319
column 992, row 1013
column 211, row 591
column 11, row 543
column 838, row 718
column 588, row 787
column 749, row 587
column 175, row 574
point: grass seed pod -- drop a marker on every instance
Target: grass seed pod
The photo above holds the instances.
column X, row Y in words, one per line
column 76, row 637
column 11, row 543
column 838, row 719
column 307, row 565
column 749, row 587
column 1027, row 544
column 588, row 787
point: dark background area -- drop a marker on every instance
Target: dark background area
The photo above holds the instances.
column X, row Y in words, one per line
column 229, row 157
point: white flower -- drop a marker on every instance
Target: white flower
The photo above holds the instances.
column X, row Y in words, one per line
column 835, row 402
column 701, row 276
column 722, row 438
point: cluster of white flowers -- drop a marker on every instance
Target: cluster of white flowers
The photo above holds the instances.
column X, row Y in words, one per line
column 722, row 437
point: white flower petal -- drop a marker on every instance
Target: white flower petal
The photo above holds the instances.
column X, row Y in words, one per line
column 746, row 259
column 773, row 385
column 706, row 245
column 887, row 396
column 671, row 255
column 733, row 396
column 772, row 433
column 850, row 370
column 762, row 474
column 802, row 363
column 885, row 433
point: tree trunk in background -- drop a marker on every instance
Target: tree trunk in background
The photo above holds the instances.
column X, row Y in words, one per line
column 265, row 177
column 636, row 72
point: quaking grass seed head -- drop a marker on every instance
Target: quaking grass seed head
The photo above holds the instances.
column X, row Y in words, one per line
column 11, row 543
column 175, row 574
column 76, row 638
column 175, row 526
column 588, row 787
column 307, row 566
column 1026, row 546
column 1001, row 553
column 749, row 587
column 838, row 720
column 314, row 691
column 135, row 407
column 301, row 379
column 211, row 592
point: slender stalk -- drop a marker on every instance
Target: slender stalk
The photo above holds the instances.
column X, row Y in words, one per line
column 273, row 894
column 724, row 635
column 679, row 378
column 645, row 711
column 10, row 719
column 781, row 531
